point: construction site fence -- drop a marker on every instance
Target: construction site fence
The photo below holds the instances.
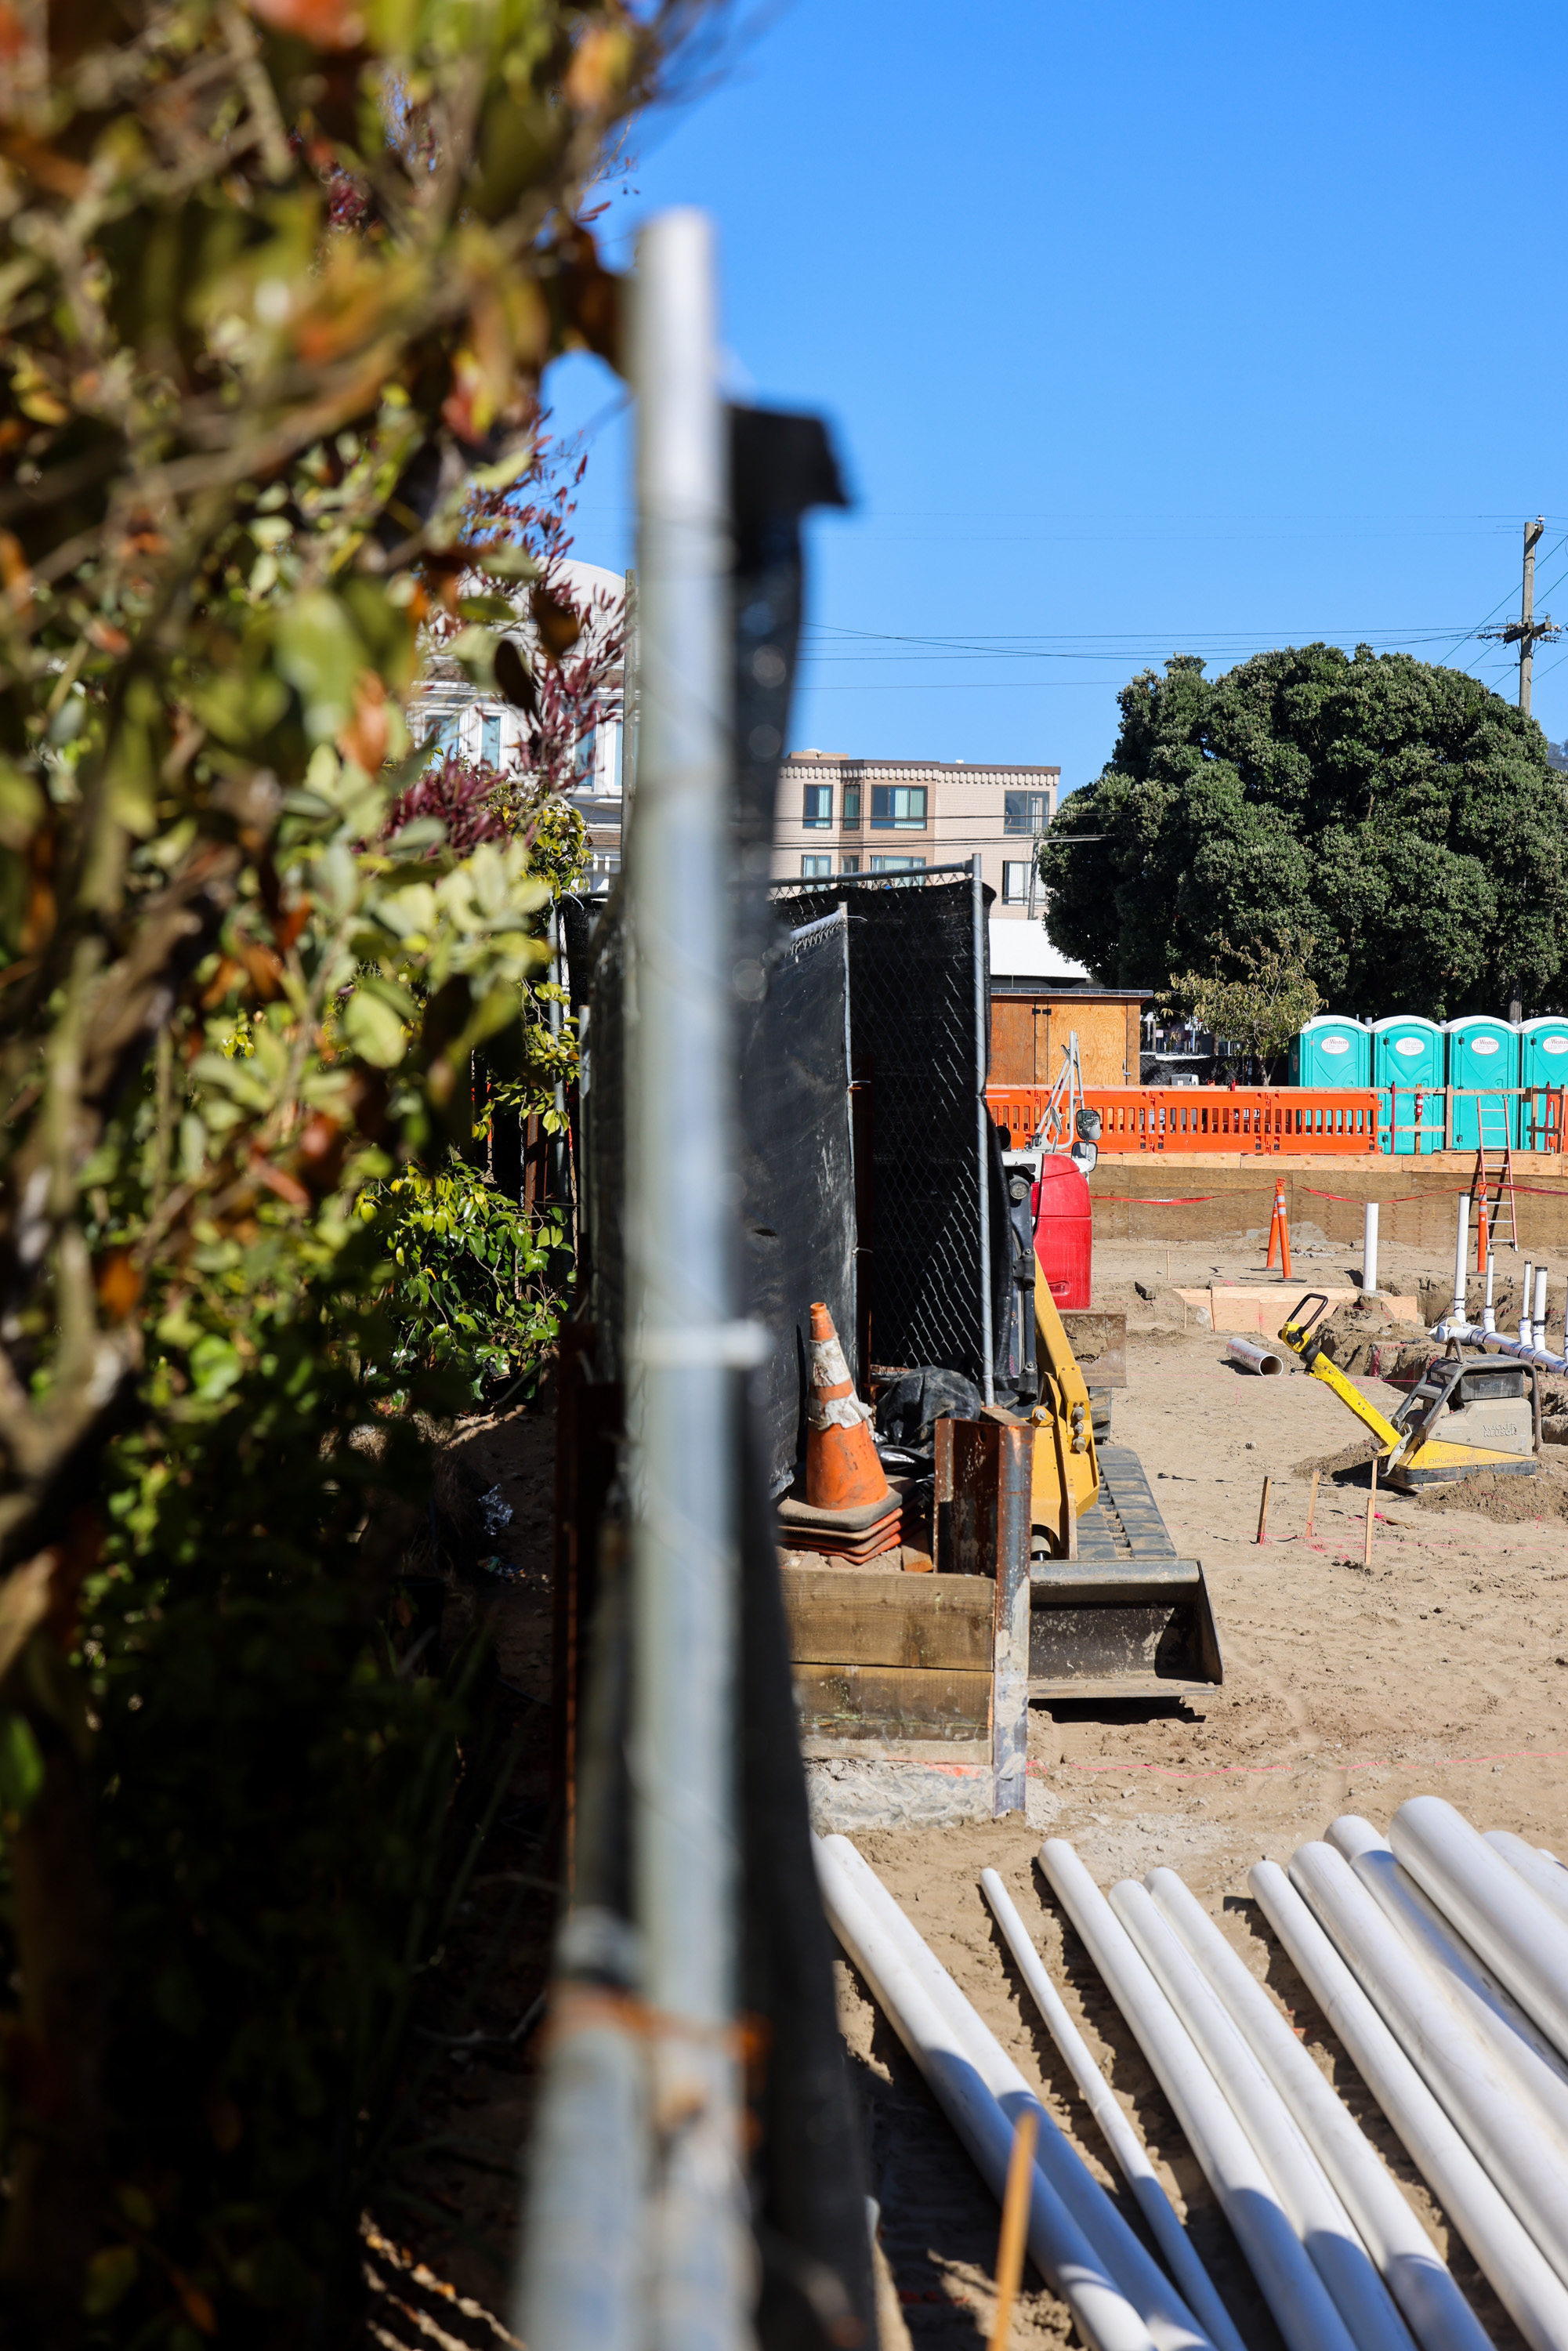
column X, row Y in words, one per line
column 1336, row 1121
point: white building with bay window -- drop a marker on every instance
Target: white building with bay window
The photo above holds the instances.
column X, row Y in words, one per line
column 836, row 814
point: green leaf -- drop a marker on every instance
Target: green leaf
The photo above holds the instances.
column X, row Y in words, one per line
column 110, row 2275
column 374, row 1029
column 21, row 1765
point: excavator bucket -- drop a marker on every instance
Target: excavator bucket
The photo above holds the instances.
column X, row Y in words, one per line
column 1113, row 1611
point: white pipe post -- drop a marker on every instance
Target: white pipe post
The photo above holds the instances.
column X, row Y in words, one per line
column 681, row 1339
column 1295, row 2293
column 1433, row 2305
column 1461, row 1257
column 1539, row 1334
column 1369, row 1250
column 1506, row 2255
column 1316, row 2212
column 1489, row 1312
column 1180, row 2256
column 1526, row 1325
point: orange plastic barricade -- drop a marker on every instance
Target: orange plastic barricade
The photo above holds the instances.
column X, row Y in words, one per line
column 1336, row 1120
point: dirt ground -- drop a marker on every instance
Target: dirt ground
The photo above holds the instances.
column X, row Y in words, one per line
column 1443, row 1669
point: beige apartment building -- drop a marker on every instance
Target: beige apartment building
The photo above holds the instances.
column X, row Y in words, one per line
column 838, row 815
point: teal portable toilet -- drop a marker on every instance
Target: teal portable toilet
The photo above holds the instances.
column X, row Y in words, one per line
column 1407, row 1054
column 1331, row 1051
column 1483, row 1064
column 1542, row 1062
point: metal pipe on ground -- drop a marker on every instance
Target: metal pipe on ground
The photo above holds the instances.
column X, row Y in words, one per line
column 1481, row 2100
column 1301, row 2305
column 1315, row 2211
column 1180, row 2257
column 1064, row 2255
column 1122, row 2254
column 1433, row 2306
column 1514, row 1931
column 1508, row 2256
column 1254, row 1358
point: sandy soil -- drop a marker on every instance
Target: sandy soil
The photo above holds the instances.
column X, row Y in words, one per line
column 1444, row 1668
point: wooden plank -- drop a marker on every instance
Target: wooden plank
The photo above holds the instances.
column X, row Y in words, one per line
column 851, row 1616
column 889, row 1702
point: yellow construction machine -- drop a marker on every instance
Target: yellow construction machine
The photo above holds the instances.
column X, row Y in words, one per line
column 1468, row 1411
column 1114, row 1613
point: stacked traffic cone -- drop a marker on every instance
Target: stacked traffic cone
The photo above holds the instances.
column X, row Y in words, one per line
column 1279, row 1232
column 849, row 1511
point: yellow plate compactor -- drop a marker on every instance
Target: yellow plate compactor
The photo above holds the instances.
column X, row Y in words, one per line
column 1466, row 1412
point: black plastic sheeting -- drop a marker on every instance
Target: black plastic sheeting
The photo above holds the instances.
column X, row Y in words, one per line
column 798, row 1173
column 912, row 954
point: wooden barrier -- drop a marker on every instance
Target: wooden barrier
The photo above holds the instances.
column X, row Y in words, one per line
column 1336, row 1121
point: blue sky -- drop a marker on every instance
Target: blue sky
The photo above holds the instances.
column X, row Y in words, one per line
column 1147, row 330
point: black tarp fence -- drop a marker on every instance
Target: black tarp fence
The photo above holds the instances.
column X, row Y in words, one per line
column 919, row 998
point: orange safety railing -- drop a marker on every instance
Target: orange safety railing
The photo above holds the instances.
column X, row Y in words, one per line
column 1322, row 1119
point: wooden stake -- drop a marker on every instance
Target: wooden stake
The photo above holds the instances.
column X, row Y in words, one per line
column 1263, row 1514
column 1313, row 1498
column 1016, row 2202
column 1371, row 1507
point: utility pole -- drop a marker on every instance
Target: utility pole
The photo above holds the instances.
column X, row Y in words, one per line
column 1527, row 630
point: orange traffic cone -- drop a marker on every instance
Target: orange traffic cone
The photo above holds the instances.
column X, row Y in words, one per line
column 849, row 1512
column 843, row 1471
column 1279, row 1232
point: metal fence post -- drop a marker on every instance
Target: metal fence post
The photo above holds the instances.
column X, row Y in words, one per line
column 983, row 1063
column 683, row 1343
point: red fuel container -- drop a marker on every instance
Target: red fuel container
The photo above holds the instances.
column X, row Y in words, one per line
column 1064, row 1229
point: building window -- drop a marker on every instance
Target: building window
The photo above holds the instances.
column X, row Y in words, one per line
column 813, row 866
column 849, row 865
column 819, row 815
column 897, row 864
column 490, row 738
column 895, row 806
column 851, row 808
column 1025, row 811
column 1015, row 882
column 585, row 753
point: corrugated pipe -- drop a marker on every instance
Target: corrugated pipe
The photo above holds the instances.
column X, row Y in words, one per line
column 1255, row 1358
column 1122, row 2140
column 902, row 1974
column 1508, row 2256
column 1437, row 2310
column 1301, row 2305
column 1522, row 2157
column 1316, row 2214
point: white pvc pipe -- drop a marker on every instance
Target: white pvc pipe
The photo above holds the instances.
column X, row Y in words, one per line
column 1539, row 1334
column 1120, row 2251
column 1302, row 2308
column 1316, row 2214
column 1538, row 1869
column 1257, row 1359
column 1506, row 2255
column 1515, row 1931
column 1489, row 1312
column 1438, row 2312
column 1476, row 1335
column 1369, row 1249
column 1526, row 1325
column 1181, row 2259
column 1489, row 2010
column 1480, row 2095
column 1461, row 1257
column 1074, row 2270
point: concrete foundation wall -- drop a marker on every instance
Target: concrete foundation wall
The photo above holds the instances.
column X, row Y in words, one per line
column 1216, row 1198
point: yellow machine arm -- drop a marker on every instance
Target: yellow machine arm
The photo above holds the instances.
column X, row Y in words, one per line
column 1408, row 1450
column 1299, row 1337
column 1066, row 1478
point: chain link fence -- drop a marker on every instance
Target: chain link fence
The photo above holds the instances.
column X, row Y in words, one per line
column 919, row 999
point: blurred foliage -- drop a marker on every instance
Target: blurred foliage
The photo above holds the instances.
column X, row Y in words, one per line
column 276, row 293
column 1400, row 815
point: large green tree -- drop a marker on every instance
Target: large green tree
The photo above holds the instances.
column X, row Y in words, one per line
column 1396, row 820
